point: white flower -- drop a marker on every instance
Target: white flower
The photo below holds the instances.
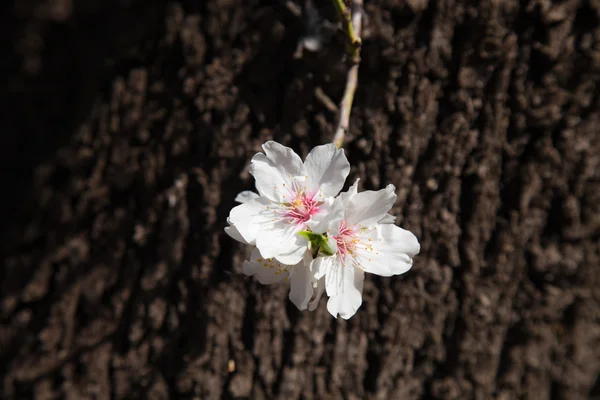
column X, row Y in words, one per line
column 292, row 196
column 295, row 212
column 364, row 240
column 268, row 271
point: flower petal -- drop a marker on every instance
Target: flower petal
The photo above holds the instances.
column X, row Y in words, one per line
column 233, row 232
column 246, row 196
column 319, row 290
column 274, row 170
column 248, row 218
column 392, row 250
column 280, row 240
column 351, row 192
column 387, row 219
column 301, row 288
column 367, row 208
column 251, row 217
column 332, row 243
column 330, row 210
column 285, row 158
column 334, row 277
column 327, row 168
column 348, row 297
column 320, row 266
column 265, row 271
column 344, row 285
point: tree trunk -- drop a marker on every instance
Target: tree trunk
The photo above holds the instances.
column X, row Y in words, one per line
column 127, row 133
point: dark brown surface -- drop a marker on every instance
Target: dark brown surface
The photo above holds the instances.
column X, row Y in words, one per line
column 126, row 129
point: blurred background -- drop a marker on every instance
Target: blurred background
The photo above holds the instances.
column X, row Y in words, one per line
column 125, row 133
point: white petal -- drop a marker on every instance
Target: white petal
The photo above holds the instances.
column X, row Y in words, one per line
column 233, row 232
column 348, row 297
column 387, row 219
column 274, row 171
column 392, row 251
column 332, row 243
column 266, row 271
column 246, row 196
column 280, row 240
column 270, row 182
column 400, row 240
column 334, row 277
column 320, row 266
column 290, row 258
column 368, row 207
column 301, row 288
column 330, row 210
column 284, row 157
column 334, row 228
column 327, row 168
column 319, row 290
column 351, row 192
column 247, row 218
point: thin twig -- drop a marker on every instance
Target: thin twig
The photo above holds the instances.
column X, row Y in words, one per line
column 326, row 101
column 352, row 27
column 293, row 8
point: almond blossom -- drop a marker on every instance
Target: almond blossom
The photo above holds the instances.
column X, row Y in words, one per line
column 293, row 196
column 304, row 231
column 363, row 240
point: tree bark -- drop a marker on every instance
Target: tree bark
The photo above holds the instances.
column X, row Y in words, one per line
column 127, row 133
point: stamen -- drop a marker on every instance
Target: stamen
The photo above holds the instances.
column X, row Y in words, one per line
column 349, row 244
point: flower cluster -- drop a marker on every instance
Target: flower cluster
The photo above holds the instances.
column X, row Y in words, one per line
column 305, row 231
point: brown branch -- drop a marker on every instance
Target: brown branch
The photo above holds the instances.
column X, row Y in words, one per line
column 352, row 27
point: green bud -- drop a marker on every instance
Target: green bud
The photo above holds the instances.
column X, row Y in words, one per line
column 318, row 241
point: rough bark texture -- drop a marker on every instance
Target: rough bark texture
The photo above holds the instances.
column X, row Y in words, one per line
column 126, row 131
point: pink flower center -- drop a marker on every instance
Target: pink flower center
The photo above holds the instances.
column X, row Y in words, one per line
column 349, row 241
column 302, row 208
column 346, row 240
